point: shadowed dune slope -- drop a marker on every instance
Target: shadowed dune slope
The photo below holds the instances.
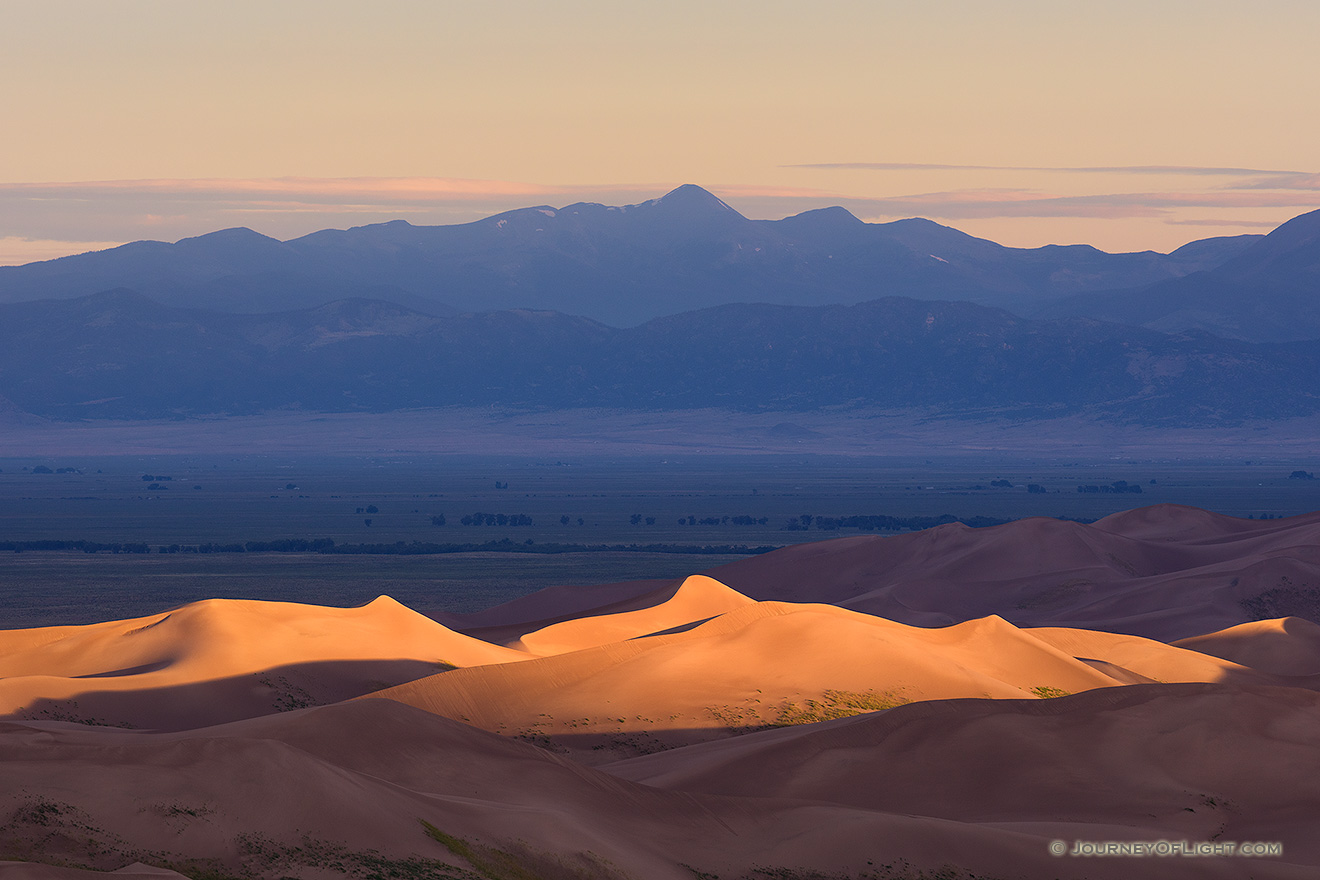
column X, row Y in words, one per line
column 1202, row 761
column 1164, row 572
column 259, row 656
column 135, row 871
column 345, row 789
column 1286, row 646
column 346, row 779
column 1189, row 525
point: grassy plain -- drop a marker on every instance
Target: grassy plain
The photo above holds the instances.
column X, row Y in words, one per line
column 272, row 497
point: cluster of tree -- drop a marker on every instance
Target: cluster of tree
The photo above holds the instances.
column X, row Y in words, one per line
column 290, row 545
column 201, row 548
column 398, row 548
column 84, row 546
column 496, row 519
column 635, row 519
column 884, row 523
column 1118, row 486
column 1301, row 475
column 370, row 508
column 718, row 521
column 156, row 478
column 505, row 545
column 42, row 469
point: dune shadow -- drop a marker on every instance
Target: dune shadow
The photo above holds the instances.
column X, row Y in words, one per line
column 232, row 698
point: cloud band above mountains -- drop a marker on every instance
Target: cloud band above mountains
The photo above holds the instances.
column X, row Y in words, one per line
column 1195, row 170
column 41, row 220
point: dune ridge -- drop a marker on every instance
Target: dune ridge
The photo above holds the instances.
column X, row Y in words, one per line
column 697, row 598
column 762, row 664
column 1164, row 572
column 219, row 659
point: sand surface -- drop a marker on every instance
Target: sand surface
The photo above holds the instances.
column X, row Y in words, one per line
column 222, row 659
column 950, row 700
column 1165, row 572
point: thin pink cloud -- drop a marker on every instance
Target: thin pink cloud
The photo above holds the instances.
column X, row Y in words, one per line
column 422, row 188
column 984, row 203
column 1245, row 224
column 1193, row 170
column 339, row 195
column 1286, row 181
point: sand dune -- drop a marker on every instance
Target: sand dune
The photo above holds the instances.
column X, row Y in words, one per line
column 1152, row 660
column 252, row 796
column 224, row 659
column 762, row 664
column 352, row 784
column 697, row 598
column 1164, row 572
column 135, row 871
column 1024, row 691
column 1203, row 761
column 1286, row 646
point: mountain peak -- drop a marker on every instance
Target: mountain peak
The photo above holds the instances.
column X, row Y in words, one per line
column 1292, row 247
column 833, row 214
column 834, row 220
column 232, row 235
column 1304, row 229
column 690, row 198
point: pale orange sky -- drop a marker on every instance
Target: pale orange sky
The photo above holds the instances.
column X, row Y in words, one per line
column 1124, row 125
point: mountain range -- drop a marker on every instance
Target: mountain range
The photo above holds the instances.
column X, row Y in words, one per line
column 684, row 251
column 1268, row 291
column 121, row 355
column 676, row 303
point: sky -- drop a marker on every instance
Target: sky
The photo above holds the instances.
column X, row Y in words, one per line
column 1126, row 125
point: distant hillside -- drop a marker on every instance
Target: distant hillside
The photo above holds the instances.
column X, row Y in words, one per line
column 618, row 265
column 1270, row 292
column 121, row 355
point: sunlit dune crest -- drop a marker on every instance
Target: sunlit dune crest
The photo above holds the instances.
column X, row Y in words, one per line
column 223, row 658
column 761, row 665
column 697, row 598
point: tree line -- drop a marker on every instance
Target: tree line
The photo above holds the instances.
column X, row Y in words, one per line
column 884, row 523
column 398, row 548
